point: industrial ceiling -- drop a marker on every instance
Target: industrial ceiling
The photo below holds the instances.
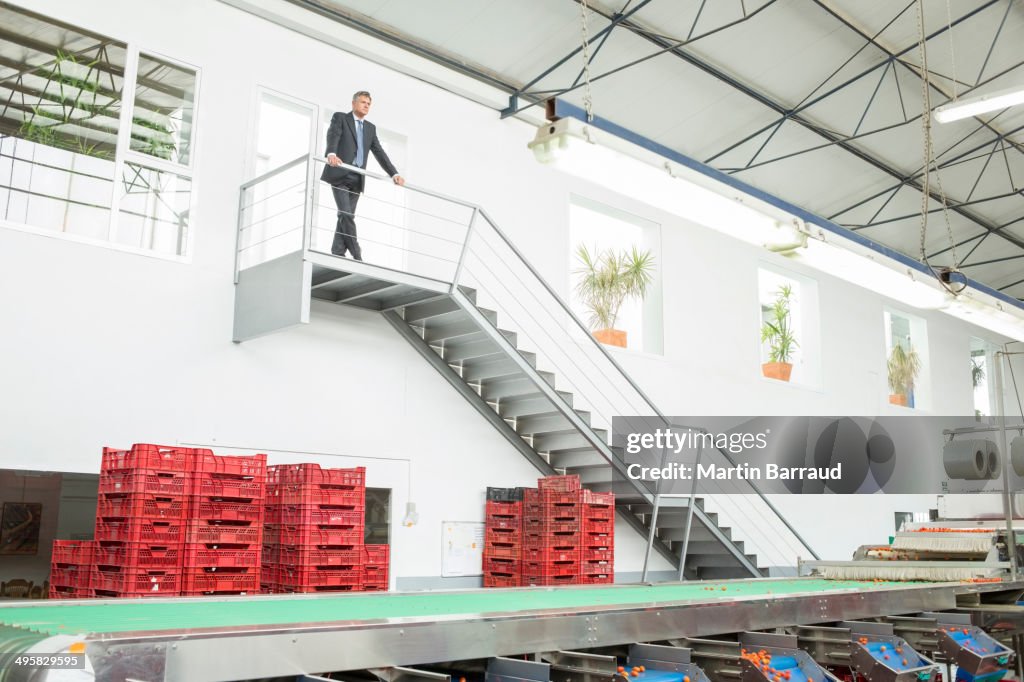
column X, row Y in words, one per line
column 816, row 101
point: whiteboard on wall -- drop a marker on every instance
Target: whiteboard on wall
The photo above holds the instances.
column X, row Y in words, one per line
column 462, row 548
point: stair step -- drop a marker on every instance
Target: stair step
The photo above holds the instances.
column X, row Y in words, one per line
column 567, row 441
column 716, row 560
column 481, row 370
column 449, row 326
column 551, row 422
column 468, row 293
column 698, row 532
column 667, row 505
column 521, row 385
column 419, row 312
column 472, row 351
column 523, row 406
column 577, row 459
column 699, row 547
column 468, row 338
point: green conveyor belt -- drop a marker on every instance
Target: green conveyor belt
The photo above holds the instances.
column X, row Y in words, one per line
column 134, row 616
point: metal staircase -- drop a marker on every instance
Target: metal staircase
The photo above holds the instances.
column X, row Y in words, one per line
column 478, row 312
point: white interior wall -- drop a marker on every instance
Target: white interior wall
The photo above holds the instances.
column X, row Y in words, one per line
column 105, row 347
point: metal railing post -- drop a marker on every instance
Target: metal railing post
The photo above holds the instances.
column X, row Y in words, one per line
column 654, row 519
column 689, row 517
column 1011, row 539
column 238, row 229
column 309, row 205
column 465, row 249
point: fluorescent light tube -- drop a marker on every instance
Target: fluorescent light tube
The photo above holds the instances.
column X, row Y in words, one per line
column 973, row 106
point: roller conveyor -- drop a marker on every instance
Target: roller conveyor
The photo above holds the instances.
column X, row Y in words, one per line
column 199, row 640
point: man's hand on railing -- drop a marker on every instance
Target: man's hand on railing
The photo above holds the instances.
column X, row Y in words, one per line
column 333, row 160
column 399, row 180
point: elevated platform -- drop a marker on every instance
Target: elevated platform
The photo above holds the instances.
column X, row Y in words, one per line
column 206, row 640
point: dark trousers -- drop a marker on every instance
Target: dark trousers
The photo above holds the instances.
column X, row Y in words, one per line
column 346, row 196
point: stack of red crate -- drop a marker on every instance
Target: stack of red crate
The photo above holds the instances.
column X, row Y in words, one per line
column 376, row 559
column 71, row 569
column 318, row 538
column 552, row 537
column 597, row 547
column 271, row 555
column 140, row 521
column 503, row 531
column 224, row 536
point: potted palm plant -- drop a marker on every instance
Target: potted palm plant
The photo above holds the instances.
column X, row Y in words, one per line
column 777, row 332
column 903, row 367
column 606, row 279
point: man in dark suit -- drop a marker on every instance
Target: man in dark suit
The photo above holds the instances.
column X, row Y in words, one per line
column 349, row 139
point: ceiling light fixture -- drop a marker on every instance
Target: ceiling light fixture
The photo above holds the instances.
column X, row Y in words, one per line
column 626, row 167
column 982, row 104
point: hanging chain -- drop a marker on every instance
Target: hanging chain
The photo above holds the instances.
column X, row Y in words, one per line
column 588, row 102
column 926, row 130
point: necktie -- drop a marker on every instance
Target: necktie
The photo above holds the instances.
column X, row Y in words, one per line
column 359, row 143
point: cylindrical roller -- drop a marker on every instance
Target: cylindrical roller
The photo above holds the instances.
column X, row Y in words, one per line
column 1017, row 455
column 967, row 460
column 994, row 465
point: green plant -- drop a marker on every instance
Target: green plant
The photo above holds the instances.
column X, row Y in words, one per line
column 977, row 372
column 776, row 328
column 903, row 367
column 608, row 278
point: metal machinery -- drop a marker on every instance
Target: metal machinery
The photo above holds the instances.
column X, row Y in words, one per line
column 762, row 630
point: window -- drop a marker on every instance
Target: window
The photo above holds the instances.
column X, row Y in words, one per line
column 605, row 231
column 906, row 352
column 96, row 138
column 796, row 341
column 982, row 359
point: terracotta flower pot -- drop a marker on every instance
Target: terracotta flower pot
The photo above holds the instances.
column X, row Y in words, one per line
column 611, row 337
column 898, row 399
column 777, row 370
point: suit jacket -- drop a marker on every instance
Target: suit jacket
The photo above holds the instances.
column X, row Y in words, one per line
column 341, row 140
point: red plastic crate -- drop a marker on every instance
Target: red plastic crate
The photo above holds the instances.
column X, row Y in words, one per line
column 502, row 551
column 63, row 591
column 501, row 565
column 115, row 594
column 493, row 521
column 321, row 535
column 301, row 495
column 138, row 481
column 307, row 556
column 271, row 533
column 205, row 556
column 272, row 513
column 334, row 576
column 605, row 579
column 202, row 581
column 565, row 484
column 551, row 580
column 596, row 540
column 375, row 573
column 319, row 589
column 141, row 506
column 543, row 568
column 599, row 554
column 504, row 508
column 376, row 554
column 503, row 535
column 598, row 499
column 294, row 515
column 545, row 554
column 271, row 553
column 226, row 510
column 375, row 587
column 71, row 576
column 598, row 513
column 214, row 485
column 551, row 526
column 136, row 582
column 77, row 552
column 597, row 567
column 501, row 580
column 551, row 539
column 137, row 555
column 549, row 497
column 146, row 456
column 149, row 531
column 250, row 466
column 591, row 525
column 316, row 475
column 268, row 588
column 212, row 533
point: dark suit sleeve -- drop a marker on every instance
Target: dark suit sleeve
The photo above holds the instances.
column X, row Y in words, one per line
column 381, row 156
column 334, row 134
